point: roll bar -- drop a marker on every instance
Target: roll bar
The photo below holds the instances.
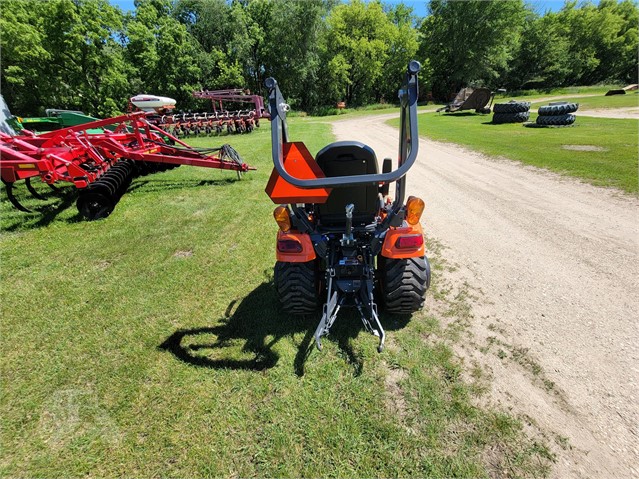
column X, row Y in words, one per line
column 408, row 139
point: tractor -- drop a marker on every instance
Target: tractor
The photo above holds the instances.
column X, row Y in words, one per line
column 341, row 236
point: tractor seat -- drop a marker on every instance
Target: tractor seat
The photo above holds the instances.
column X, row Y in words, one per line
column 349, row 158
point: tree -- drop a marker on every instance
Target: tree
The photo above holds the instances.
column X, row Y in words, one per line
column 63, row 55
column 23, row 55
column 164, row 57
column 470, row 42
column 402, row 48
column 360, row 42
column 542, row 59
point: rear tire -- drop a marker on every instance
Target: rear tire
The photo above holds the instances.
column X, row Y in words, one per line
column 499, row 118
column 296, row 286
column 512, row 107
column 558, row 109
column 404, row 283
column 556, row 120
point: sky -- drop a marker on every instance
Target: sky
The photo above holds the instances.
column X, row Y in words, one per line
column 419, row 6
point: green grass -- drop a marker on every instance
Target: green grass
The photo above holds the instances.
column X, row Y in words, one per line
column 628, row 100
column 611, row 163
column 151, row 344
column 567, row 91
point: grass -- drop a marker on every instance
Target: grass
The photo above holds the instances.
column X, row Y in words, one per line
column 608, row 154
column 629, row 100
column 563, row 91
column 151, row 344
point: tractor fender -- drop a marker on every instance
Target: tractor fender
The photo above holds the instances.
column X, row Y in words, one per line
column 390, row 248
column 301, row 253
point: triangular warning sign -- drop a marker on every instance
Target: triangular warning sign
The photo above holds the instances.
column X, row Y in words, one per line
column 299, row 162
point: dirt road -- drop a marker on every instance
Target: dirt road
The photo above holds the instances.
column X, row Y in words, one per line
column 554, row 266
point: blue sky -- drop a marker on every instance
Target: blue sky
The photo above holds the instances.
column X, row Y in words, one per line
column 419, row 6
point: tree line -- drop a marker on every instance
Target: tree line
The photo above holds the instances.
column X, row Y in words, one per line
column 92, row 56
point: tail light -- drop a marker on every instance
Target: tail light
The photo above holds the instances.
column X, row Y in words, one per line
column 409, row 241
column 289, row 246
column 283, row 218
column 414, row 210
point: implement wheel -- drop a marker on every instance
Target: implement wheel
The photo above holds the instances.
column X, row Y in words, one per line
column 404, row 283
column 296, row 286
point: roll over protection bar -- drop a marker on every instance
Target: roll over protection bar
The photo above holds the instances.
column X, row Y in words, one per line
column 408, row 139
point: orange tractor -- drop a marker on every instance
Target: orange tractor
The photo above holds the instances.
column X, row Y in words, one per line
column 340, row 234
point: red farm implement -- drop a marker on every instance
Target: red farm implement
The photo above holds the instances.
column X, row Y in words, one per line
column 221, row 98
column 183, row 125
column 101, row 158
column 234, row 111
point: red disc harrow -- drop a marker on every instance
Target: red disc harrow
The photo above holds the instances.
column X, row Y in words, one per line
column 101, row 158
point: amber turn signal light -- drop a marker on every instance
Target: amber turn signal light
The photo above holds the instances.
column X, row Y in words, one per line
column 282, row 218
column 414, row 210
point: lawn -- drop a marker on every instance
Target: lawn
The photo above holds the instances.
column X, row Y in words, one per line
column 629, row 100
column 151, row 344
column 601, row 151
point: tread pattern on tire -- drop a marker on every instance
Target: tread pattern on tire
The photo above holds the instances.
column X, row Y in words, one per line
column 404, row 284
column 557, row 110
column 512, row 107
column 511, row 117
column 295, row 285
column 556, row 120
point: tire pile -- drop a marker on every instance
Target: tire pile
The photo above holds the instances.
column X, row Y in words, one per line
column 511, row 112
column 557, row 114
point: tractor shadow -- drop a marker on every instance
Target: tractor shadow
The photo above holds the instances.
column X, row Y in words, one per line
column 258, row 323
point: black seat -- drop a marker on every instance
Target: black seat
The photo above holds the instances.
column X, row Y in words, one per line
column 349, row 158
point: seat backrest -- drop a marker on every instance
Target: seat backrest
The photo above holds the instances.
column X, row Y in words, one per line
column 349, row 158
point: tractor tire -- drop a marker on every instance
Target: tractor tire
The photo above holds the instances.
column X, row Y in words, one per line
column 556, row 120
column 404, row 283
column 558, row 109
column 295, row 284
column 499, row 118
column 512, row 107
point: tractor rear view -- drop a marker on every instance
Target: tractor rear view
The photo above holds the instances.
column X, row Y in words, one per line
column 341, row 236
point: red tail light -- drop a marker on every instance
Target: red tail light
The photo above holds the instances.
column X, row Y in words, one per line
column 409, row 241
column 289, row 246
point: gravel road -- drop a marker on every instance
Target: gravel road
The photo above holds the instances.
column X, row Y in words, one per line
column 555, row 263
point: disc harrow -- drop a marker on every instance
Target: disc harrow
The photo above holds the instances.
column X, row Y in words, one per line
column 102, row 164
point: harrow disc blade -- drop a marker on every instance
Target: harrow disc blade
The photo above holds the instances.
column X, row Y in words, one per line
column 94, row 204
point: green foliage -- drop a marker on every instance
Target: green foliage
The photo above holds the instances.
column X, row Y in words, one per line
column 470, row 42
column 162, row 54
column 88, row 55
column 543, row 58
column 365, row 51
column 603, row 40
column 62, row 53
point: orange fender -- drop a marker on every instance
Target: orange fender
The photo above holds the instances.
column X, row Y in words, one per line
column 294, row 247
column 412, row 237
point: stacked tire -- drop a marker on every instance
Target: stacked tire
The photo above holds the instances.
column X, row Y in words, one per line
column 557, row 114
column 511, row 112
